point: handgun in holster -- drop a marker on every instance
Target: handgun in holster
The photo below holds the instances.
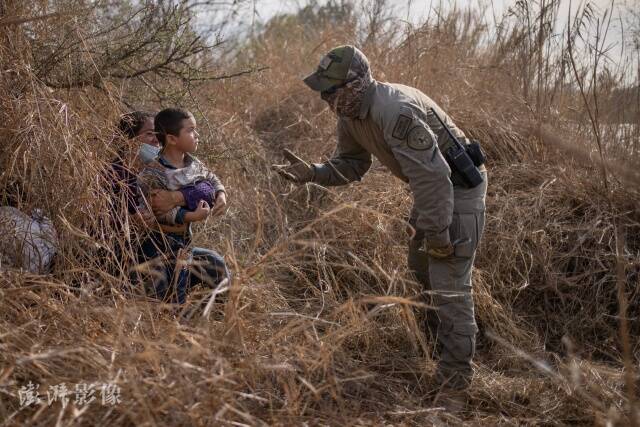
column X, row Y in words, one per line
column 463, row 159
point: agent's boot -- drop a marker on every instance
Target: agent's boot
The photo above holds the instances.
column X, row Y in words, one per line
column 453, row 401
column 451, row 388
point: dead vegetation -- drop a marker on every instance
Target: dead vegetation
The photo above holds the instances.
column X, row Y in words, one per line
column 322, row 323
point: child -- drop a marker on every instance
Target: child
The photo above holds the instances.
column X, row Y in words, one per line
column 175, row 169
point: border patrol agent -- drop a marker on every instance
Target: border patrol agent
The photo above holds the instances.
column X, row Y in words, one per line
column 397, row 124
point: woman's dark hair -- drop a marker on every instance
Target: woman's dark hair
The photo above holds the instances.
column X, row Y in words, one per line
column 169, row 122
column 131, row 123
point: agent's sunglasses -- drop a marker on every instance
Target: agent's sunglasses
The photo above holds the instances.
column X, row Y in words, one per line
column 333, row 89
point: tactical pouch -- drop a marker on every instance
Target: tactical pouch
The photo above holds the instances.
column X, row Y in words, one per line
column 474, row 150
column 460, row 161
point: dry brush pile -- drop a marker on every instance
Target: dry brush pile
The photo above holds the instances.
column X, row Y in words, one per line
column 322, row 323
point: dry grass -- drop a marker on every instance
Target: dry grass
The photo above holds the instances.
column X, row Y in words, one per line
column 321, row 320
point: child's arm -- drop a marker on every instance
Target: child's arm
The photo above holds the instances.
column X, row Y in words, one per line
column 219, row 194
column 220, row 203
column 217, row 184
column 213, row 179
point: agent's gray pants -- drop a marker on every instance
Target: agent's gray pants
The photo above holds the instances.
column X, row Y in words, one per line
column 448, row 282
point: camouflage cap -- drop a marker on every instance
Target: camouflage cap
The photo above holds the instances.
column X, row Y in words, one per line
column 336, row 67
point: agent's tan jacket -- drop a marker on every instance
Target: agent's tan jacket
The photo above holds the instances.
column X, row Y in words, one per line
column 395, row 125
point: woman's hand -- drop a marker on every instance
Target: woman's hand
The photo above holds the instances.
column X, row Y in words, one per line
column 163, row 201
column 219, row 204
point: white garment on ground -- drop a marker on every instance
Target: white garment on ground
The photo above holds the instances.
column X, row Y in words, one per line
column 26, row 242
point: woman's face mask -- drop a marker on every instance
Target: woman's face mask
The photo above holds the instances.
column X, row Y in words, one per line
column 147, row 153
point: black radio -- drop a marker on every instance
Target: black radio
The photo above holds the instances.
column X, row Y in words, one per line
column 463, row 159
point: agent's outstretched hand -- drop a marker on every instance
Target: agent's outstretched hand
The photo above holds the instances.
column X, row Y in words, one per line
column 298, row 171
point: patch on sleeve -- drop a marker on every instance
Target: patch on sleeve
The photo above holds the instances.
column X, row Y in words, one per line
column 402, row 126
column 420, row 138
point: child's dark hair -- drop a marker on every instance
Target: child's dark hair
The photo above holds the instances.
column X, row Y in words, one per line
column 169, row 122
column 131, row 123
